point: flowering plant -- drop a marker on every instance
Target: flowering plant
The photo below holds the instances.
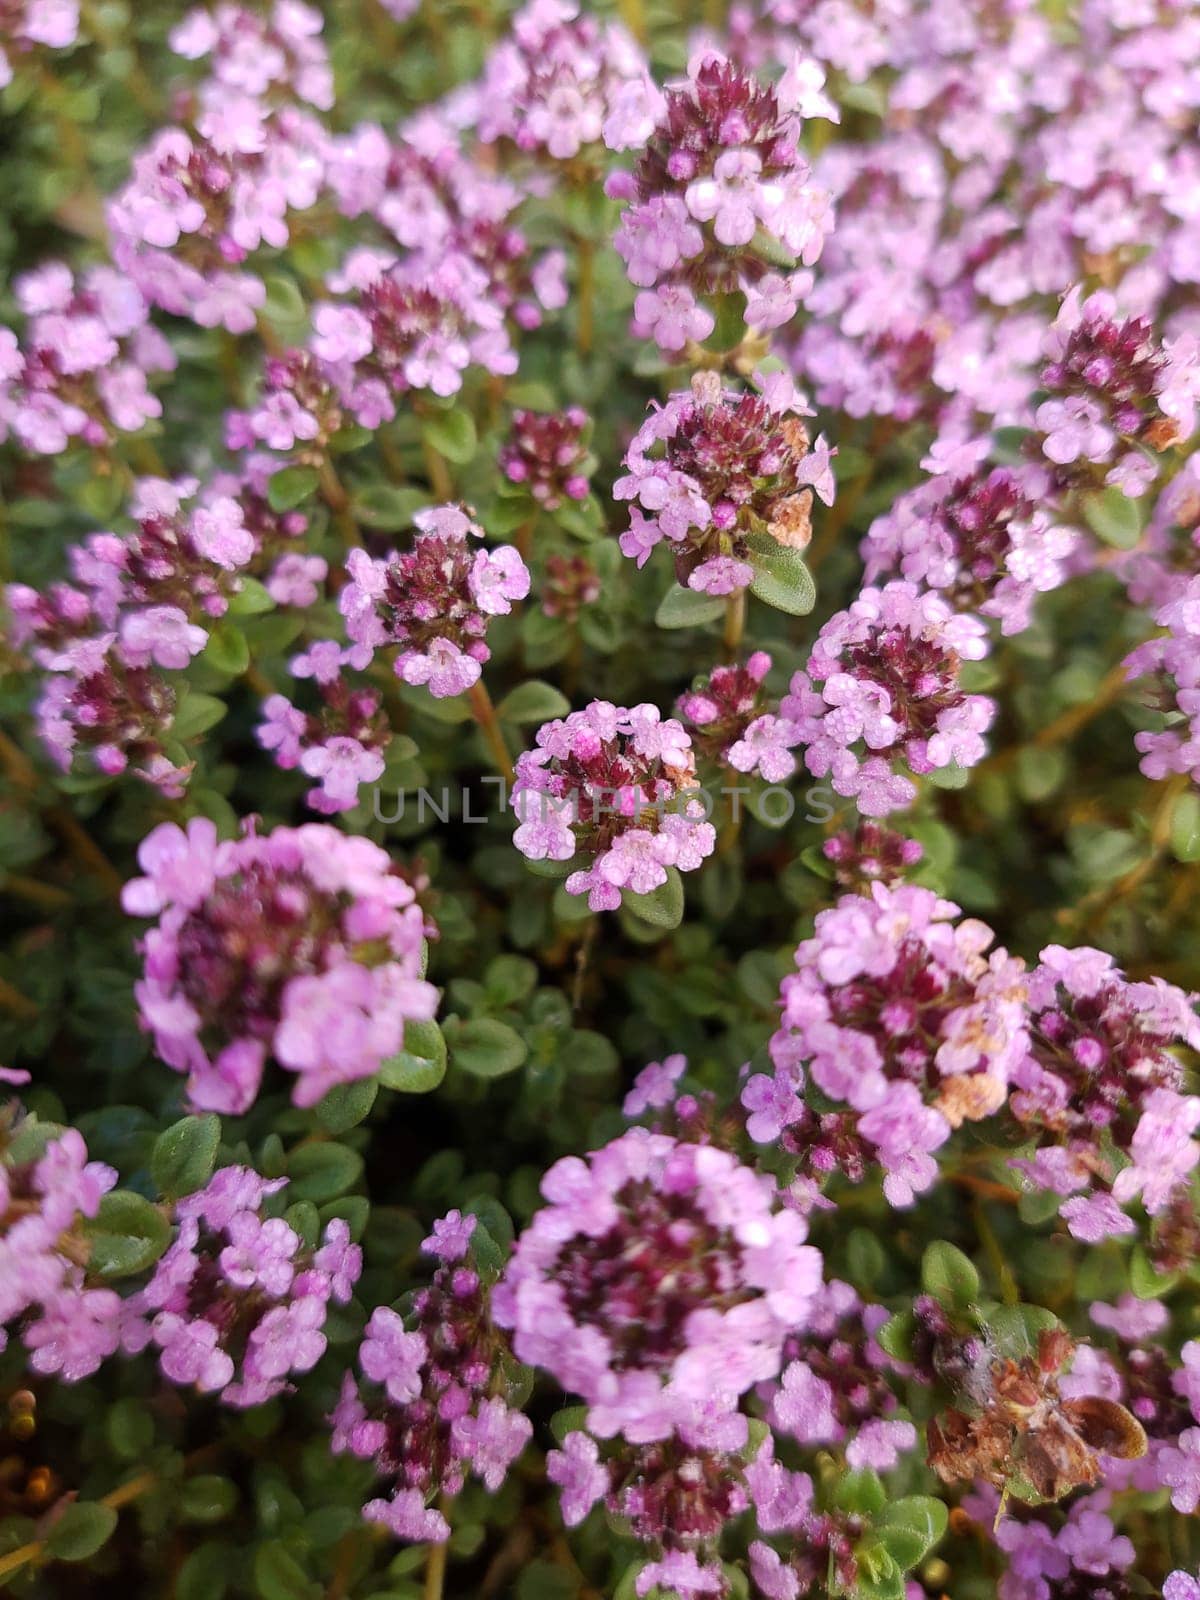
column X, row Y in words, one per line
column 599, row 824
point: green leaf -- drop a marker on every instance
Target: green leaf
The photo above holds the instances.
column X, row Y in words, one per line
column 421, row 1065
column 250, row 600
column 197, row 713
column 571, row 1419
column 130, row 1428
column 589, row 1055
column 208, row 1497
column 860, row 1492
column 206, row 1573
column 729, row 312
column 1040, row 772
column 304, row 1218
column 346, row 1104
column 688, row 608
column 1016, row 1329
column 284, row 304
column 544, row 1580
column 910, row 1528
column 781, row 578
column 1185, row 827
column 451, row 434
column 534, row 701
column 82, row 1529
column 896, row 1336
column 127, row 1235
column 865, row 1257
column 509, row 979
column 184, row 1154
column 321, row 1171
column 454, row 708
column 485, row 1048
column 1144, row 1280
column 291, row 487
column 951, row 777
column 279, row 1576
column 662, row 907
column 878, row 1578
column 1008, row 445
column 556, row 870
column 387, row 506
column 1113, row 517
column 948, row 1275
column 227, row 650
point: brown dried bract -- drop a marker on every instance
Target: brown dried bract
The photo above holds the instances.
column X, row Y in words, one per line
column 791, row 521
column 1027, row 1431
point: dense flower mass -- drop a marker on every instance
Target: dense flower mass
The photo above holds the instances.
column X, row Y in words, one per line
column 438, row 1417
column 552, row 85
column 906, row 1027
column 1110, row 389
column 45, row 1193
column 301, row 946
column 715, row 468
column 434, row 602
column 546, row 455
column 341, row 744
column 236, row 1305
column 658, row 1278
column 983, row 540
column 610, row 784
column 1101, row 1083
column 378, row 1218
column 140, row 605
column 884, row 682
column 202, row 201
column 721, row 196
column 1172, row 663
column 80, row 371
column 729, row 723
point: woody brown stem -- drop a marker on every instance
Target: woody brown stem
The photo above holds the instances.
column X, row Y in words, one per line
column 26, row 1555
column 484, row 713
column 438, row 473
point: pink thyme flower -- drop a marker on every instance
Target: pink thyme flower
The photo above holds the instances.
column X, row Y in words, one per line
column 643, row 1333
column 68, row 1329
column 237, row 1304
column 302, row 945
column 255, row 55
column 871, row 854
column 1110, row 385
column 982, row 540
column 729, row 723
column 834, row 1387
column 546, row 455
column 200, row 202
column 555, row 81
column 433, row 601
column 609, row 784
column 720, row 170
column 341, row 743
column 418, row 323
column 714, row 467
column 1173, row 665
column 80, row 372
column 904, row 1023
column 883, row 678
column 1100, row 1053
column 442, row 1413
